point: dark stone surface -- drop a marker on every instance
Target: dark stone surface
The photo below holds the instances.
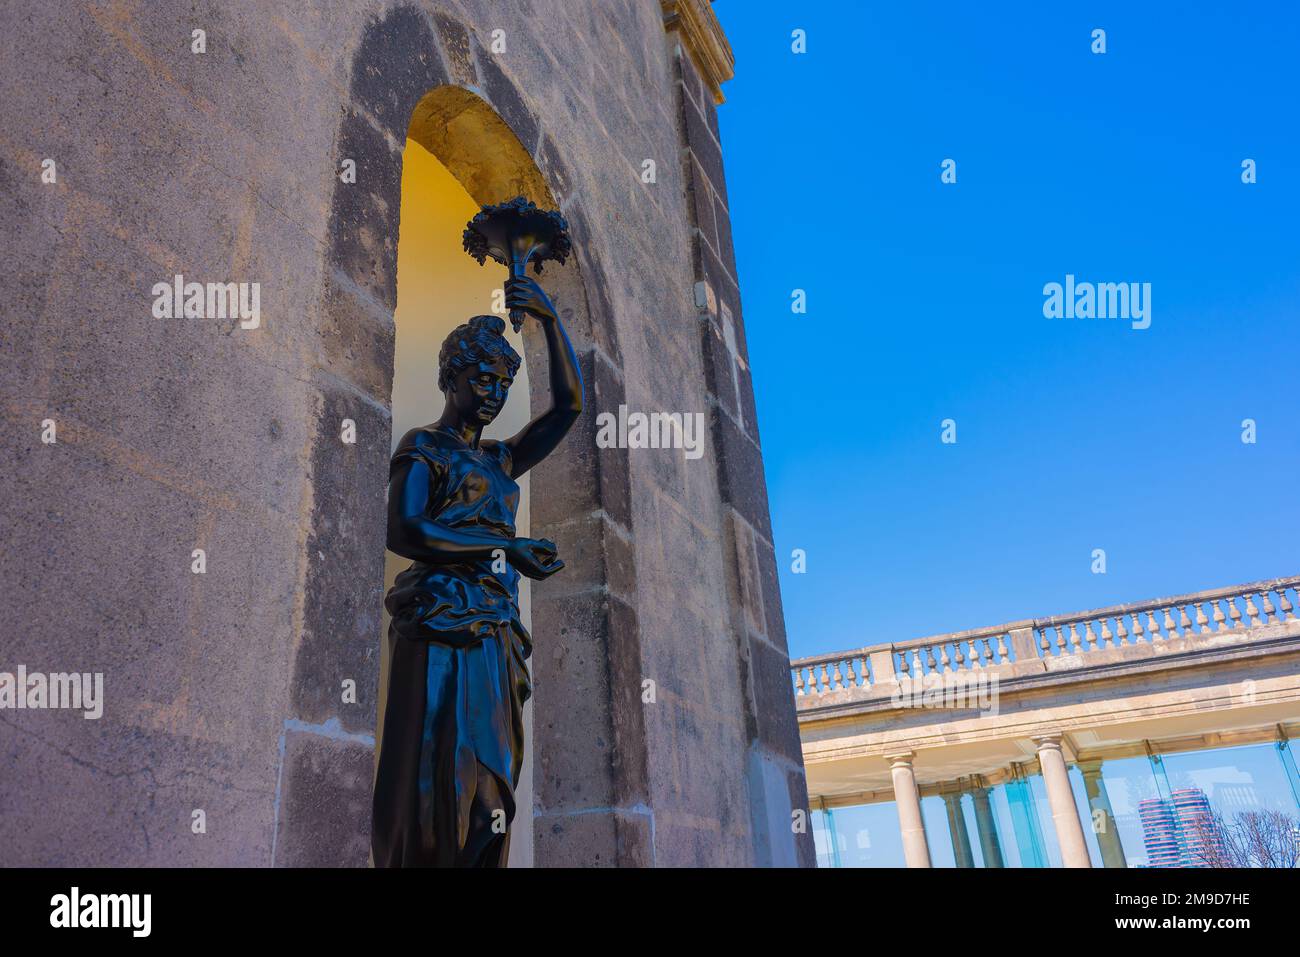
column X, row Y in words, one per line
column 396, row 64
column 710, row 268
column 773, row 611
column 629, row 764
column 726, row 250
column 324, row 816
column 718, row 365
column 572, row 478
column 341, row 608
column 770, row 687
column 700, row 198
column 369, row 260
column 749, row 412
column 574, row 741
column 505, row 96
column 705, row 149
column 740, row 473
column 457, row 47
column 356, row 338
column 805, row 846
column 612, row 464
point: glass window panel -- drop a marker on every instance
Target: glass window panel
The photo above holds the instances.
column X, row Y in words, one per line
column 865, row 835
column 935, row 815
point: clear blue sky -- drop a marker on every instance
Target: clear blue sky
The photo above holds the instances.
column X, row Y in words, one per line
column 925, row 302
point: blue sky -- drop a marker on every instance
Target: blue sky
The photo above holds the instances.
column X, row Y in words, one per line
column 925, row 302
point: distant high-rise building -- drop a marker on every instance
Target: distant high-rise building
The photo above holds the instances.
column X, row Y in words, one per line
column 1160, row 833
column 1202, row 842
column 1181, row 831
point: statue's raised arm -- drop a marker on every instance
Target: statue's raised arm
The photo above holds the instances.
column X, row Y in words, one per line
column 540, row 436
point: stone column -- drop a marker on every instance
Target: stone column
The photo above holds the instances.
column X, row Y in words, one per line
column 1112, row 851
column 990, row 847
column 916, row 850
column 1065, row 817
column 961, row 849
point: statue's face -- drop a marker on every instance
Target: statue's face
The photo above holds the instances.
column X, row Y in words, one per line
column 479, row 391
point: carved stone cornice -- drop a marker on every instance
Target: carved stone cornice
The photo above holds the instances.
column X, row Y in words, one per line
column 703, row 40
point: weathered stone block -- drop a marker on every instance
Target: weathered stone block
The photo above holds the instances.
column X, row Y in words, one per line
column 770, row 691
column 341, row 607
column 596, row 838
column 396, row 65
column 740, row 473
column 325, row 801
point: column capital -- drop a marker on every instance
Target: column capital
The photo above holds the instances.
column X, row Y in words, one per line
column 900, row 758
column 1048, row 740
column 1090, row 768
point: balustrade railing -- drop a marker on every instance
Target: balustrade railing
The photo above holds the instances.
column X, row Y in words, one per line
column 1233, row 610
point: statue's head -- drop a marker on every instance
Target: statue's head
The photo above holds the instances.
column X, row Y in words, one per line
column 476, row 368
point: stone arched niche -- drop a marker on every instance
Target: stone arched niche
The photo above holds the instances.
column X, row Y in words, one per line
column 421, row 74
column 477, row 160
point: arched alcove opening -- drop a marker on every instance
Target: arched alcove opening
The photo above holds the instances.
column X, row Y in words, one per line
column 459, row 155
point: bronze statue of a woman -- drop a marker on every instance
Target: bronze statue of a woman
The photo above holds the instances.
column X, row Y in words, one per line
column 453, row 739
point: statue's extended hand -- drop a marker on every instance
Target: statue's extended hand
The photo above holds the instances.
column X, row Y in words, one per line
column 534, row 557
column 524, row 293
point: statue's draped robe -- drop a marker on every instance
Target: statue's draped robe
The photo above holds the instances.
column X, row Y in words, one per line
column 453, row 737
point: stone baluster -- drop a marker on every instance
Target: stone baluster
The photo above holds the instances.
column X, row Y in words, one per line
column 1106, row 634
column 1044, row 643
column 1219, row 620
column 1170, row 630
column 1137, row 628
column 1184, row 623
column 987, row 644
column 1089, row 637
column 1234, row 612
column 1285, row 604
column 918, row 666
column 824, row 684
column 837, row 681
column 1252, row 613
column 959, row 656
column 903, row 669
column 929, row 658
column 1267, row 609
column 975, row 655
column 1120, row 632
column 1075, row 646
column 1152, row 626
column 1202, row 623
column 1060, row 640
column 944, row 660
column 1003, row 655
column 798, row 682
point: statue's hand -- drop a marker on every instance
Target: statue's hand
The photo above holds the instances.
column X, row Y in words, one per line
column 524, row 293
column 534, row 557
